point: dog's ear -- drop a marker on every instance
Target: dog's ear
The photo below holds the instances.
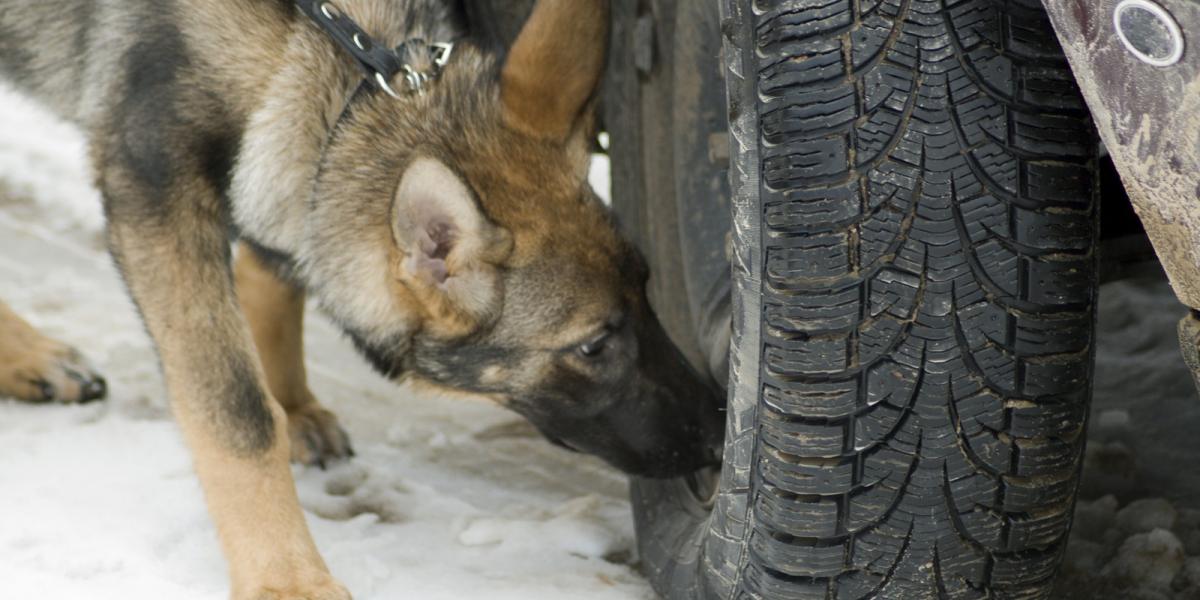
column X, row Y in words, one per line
column 554, row 66
column 450, row 250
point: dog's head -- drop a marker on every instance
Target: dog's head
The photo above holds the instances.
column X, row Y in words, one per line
column 456, row 238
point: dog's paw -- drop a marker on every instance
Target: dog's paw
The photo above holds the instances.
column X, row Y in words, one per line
column 316, row 436
column 44, row 370
column 328, row 590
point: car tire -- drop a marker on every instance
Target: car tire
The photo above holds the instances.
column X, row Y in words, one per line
column 914, row 268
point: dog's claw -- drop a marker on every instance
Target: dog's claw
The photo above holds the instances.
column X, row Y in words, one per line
column 94, row 390
column 45, row 390
column 92, row 387
column 316, row 448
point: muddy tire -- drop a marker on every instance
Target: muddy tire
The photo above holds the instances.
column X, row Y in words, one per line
column 914, row 282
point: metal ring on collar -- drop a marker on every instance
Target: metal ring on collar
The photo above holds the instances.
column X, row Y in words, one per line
column 441, row 54
column 416, row 80
column 385, row 86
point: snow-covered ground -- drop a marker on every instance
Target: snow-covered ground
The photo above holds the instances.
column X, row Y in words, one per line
column 448, row 498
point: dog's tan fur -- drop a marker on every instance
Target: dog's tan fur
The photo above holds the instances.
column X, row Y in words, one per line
column 452, row 235
column 552, row 50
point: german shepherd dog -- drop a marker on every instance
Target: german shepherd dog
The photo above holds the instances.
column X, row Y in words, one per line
column 450, row 233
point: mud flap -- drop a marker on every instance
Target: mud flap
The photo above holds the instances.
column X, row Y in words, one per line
column 1147, row 114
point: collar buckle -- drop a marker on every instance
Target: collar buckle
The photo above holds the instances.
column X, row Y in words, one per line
column 380, row 64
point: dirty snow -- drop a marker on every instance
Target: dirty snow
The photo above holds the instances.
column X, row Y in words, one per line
column 1137, row 524
column 448, row 498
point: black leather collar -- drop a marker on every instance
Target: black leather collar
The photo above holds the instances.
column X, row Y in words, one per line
column 379, row 63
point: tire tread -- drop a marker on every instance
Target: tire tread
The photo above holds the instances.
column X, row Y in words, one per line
column 928, row 235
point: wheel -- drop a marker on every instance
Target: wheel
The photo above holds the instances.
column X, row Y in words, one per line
column 914, row 273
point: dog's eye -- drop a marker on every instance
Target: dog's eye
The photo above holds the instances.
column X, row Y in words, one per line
column 594, row 347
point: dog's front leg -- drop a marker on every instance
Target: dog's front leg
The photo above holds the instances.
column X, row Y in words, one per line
column 174, row 254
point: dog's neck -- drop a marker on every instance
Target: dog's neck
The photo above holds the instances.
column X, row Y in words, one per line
column 300, row 106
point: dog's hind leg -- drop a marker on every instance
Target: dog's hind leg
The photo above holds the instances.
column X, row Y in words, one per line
column 36, row 368
column 275, row 310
